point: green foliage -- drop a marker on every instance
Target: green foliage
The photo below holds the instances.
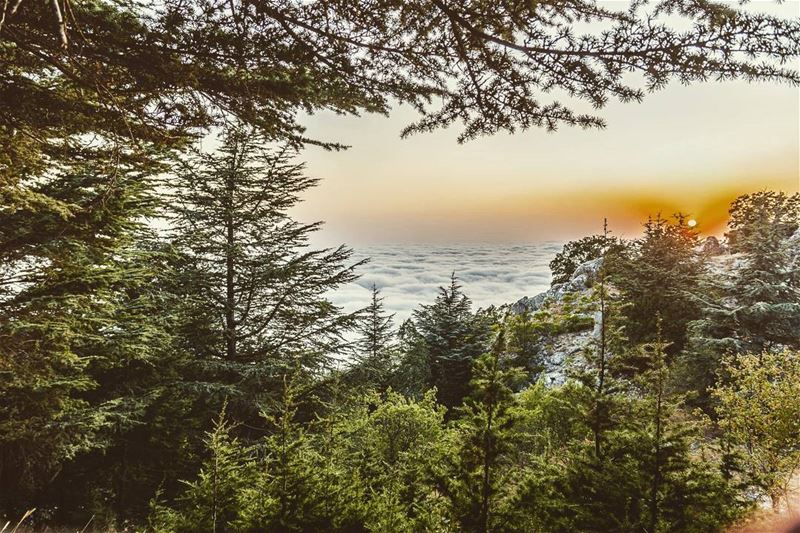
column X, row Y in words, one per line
column 754, row 306
column 451, row 337
column 578, row 252
column 752, row 215
column 159, row 73
column 506, row 463
column 396, row 446
column 254, row 293
column 761, row 225
column 293, row 480
column 413, row 373
column 365, row 468
column 604, row 364
column 116, row 347
column 684, row 491
column 549, row 420
column 483, row 479
column 523, row 338
column 376, row 353
column 79, row 327
column 655, row 472
column 211, row 502
column 759, row 412
column 659, row 275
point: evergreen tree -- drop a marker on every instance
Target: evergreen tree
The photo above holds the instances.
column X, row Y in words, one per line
column 366, row 466
column 412, row 375
column 396, row 447
column 254, row 291
column 659, row 275
column 211, row 502
column 655, row 472
column 82, row 328
column 767, row 286
column 289, row 494
column 605, row 360
column 375, row 349
column 135, row 380
column 751, row 215
column 452, row 338
column 684, row 491
column 755, row 306
column 482, row 473
column 654, row 382
column 524, row 336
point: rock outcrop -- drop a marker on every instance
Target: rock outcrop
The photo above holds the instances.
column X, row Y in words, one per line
column 568, row 299
column 580, row 281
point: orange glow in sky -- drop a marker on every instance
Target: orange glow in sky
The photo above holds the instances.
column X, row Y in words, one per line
column 684, row 149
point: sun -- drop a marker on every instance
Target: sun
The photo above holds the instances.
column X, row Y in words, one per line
column 691, row 223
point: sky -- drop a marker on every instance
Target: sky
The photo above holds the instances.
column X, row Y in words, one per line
column 686, row 148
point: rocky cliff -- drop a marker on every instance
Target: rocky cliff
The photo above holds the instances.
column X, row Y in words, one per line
column 570, row 306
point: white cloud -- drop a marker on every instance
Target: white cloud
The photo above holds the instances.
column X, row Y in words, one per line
column 409, row 275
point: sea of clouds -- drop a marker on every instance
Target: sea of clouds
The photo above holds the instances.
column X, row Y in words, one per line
column 408, row 275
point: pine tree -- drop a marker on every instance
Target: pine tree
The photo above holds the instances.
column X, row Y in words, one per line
column 288, row 495
column 605, row 364
column 683, row 491
column 752, row 214
column 375, row 349
column 524, row 336
column 767, row 287
column 660, row 275
column 600, row 355
column 485, row 432
column 452, row 338
column 656, row 472
column 654, row 382
column 394, row 447
column 254, row 291
column 211, row 502
column 82, row 328
column 412, row 375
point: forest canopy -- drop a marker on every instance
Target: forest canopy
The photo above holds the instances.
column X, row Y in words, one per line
column 170, row 358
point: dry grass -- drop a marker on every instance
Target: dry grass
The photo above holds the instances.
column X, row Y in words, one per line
column 23, row 525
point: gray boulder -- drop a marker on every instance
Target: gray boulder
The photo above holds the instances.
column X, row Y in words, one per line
column 581, row 280
column 558, row 350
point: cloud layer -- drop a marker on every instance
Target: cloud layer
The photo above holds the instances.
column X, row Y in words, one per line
column 408, row 275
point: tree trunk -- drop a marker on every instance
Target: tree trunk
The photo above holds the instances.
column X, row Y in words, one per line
column 230, row 318
column 486, row 489
column 230, row 272
column 656, row 462
column 603, row 349
column 775, row 500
